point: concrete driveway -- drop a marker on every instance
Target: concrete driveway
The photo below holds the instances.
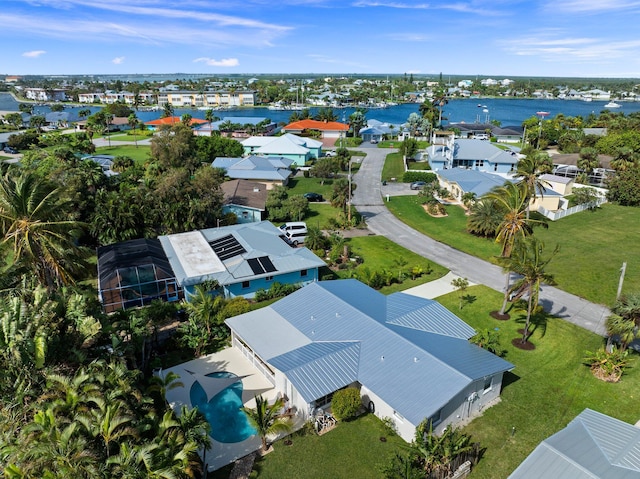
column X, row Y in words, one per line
column 369, row 198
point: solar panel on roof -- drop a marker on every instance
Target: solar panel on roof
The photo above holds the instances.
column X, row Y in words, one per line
column 227, row 247
column 261, row 265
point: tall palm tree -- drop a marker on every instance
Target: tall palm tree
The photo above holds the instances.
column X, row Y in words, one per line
column 512, row 199
column 266, row 418
column 529, row 170
column 133, row 122
column 529, row 263
column 624, row 321
column 36, row 224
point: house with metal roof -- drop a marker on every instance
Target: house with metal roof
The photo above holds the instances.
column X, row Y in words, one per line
column 592, row 446
column 410, row 357
column 241, row 258
column 459, row 181
column 269, row 170
column 296, row 148
column 478, row 155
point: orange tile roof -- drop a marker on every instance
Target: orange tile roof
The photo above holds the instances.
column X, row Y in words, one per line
column 172, row 120
column 317, row 125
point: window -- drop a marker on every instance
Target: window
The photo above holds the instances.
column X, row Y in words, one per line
column 436, row 418
column 245, row 284
column 487, row 384
column 269, row 278
column 304, row 273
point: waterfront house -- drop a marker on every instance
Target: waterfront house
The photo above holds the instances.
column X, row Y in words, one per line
column 327, row 129
column 479, row 155
column 409, row 357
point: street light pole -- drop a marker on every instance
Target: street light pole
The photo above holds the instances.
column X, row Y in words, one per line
column 349, row 206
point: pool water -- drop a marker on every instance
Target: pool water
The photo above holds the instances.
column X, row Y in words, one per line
column 229, row 424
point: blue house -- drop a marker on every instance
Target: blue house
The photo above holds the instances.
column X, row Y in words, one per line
column 242, row 258
column 478, row 155
column 245, row 199
column 409, row 357
column 296, row 148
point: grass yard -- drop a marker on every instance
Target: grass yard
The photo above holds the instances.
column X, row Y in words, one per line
column 451, row 230
column 125, row 137
column 593, row 245
column 353, row 450
column 301, row 185
column 139, row 154
column 548, row 387
column 379, row 253
column 393, row 167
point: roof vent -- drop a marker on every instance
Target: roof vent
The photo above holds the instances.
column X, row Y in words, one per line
column 337, row 315
column 415, row 359
column 381, row 358
column 313, row 318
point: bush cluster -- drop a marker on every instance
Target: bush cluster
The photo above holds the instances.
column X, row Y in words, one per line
column 426, row 176
column 346, row 403
column 277, row 290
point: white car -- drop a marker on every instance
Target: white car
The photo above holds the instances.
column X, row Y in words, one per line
column 330, row 153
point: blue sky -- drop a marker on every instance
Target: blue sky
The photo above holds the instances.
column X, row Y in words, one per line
column 586, row 38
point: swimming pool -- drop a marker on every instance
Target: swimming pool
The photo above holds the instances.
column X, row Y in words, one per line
column 229, row 424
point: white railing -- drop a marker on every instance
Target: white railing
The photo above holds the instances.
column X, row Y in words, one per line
column 556, row 215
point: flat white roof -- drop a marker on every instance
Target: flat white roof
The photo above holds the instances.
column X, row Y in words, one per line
column 195, row 255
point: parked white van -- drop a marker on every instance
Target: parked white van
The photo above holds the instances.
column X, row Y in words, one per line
column 295, row 232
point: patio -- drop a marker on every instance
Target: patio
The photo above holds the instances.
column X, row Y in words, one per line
column 229, row 360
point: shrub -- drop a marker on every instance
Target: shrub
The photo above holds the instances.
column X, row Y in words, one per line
column 607, row 366
column 277, row 290
column 346, row 403
column 426, row 176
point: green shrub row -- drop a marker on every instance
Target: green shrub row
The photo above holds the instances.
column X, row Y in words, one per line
column 411, row 176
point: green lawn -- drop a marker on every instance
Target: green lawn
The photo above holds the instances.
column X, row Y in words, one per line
column 139, row 154
column 352, row 450
column 125, row 137
column 593, row 245
column 301, row 185
column 548, row 387
column 450, row 230
column 393, row 167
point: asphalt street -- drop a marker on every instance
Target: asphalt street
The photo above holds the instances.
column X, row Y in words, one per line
column 370, row 197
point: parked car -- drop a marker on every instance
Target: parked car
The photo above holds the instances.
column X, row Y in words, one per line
column 10, row 150
column 374, row 141
column 330, row 153
column 417, row 185
column 296, row 237
column 294, row 226
column 313, row 197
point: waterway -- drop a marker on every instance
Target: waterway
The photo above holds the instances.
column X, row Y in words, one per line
column 506, row 110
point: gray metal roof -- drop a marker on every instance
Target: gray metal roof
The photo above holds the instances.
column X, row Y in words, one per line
column 593, row 445
column 393, row 360
column 472, row 181
column 257, row 239
column 320, row 368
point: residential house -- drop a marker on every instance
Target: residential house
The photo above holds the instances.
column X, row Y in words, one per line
column 172, row 120
column 296, row 148
column 459, row 181
column 592, row 446
column 247, row 124
column 268, row 170
column 245, row 199
column 327, row 129
column 376, row 131
column 479, row 155
column 242, row 259
column 409, row 357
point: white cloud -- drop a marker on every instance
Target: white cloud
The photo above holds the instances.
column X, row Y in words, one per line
column 410, row 37
column 591, row 6
column 225, row 62
column 34, row 53
column 117, row 60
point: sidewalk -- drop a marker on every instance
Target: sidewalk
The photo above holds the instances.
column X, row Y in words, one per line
column 436, row 288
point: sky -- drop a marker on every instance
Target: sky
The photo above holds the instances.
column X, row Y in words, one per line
column 501, row 38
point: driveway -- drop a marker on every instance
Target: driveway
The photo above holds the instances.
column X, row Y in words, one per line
column 370, row 197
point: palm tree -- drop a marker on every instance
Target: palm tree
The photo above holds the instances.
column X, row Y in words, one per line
column 588, row 160
column 512, row 199
column 266, row 418
column 624, row 321
column 167, row 110
column 133, row 122
column 529, row 170
column 529, row 263
column 35, row 222
column 484, row 218
column 625, row 158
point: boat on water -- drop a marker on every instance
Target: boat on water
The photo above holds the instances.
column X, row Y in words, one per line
column 542, row 113
column 613, row 104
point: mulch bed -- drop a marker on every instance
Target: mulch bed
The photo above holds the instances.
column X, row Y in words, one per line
column 498, row 316
column 526, row 346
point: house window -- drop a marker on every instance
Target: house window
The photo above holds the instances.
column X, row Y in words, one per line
column 487, row 384
column 398, row 416
column 269, row 278
column 303, row 273
column 436, row 418
column 245, row 284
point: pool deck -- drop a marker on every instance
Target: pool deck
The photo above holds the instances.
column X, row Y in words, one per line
column 253, row 384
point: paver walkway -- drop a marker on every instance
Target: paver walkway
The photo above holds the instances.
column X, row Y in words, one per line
column 370, row 197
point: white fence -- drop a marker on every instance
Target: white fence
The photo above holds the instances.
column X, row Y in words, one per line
column 556, row 215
